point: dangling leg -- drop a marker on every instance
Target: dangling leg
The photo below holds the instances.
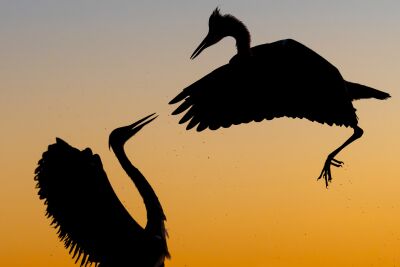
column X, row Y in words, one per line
column 326, row 171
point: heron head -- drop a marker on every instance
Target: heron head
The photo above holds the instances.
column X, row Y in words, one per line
column 217, row 29
column 119, row 136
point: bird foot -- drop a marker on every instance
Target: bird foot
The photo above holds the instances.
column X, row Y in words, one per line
column 326, row 170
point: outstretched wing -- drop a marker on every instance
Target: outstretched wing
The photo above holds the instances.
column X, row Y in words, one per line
column 284, row 78
column 217, row 100
column 90, row 219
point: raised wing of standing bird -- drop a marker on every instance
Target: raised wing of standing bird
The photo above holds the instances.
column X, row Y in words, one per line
column 273, row 80
column 90, row 219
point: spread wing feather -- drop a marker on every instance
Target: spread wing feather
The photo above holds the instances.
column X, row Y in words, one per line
column 82, row 205
column 284, row 78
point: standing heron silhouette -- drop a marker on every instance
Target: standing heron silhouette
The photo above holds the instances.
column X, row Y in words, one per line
column 90, row 219
column 272, row 80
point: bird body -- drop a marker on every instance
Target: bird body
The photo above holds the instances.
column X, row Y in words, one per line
column 272, row 80
column 91, row 221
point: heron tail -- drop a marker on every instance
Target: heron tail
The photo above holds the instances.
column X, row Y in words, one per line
column 359, row 91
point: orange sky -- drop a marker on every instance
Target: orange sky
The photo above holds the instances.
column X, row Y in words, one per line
column 244, row 196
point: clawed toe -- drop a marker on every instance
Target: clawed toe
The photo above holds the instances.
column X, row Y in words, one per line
column 326, row 170
column 337, row 163
column 326, row 174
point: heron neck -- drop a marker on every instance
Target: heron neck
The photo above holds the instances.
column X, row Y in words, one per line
column 155, row 213
column 242, row 36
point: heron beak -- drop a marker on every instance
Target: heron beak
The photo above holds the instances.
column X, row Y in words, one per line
column 126, row 132
column 137, row 126
column 208, row 41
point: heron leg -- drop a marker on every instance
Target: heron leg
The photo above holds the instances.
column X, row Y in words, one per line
column 326, row 170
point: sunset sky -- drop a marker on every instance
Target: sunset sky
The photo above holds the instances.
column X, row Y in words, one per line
column 246, row 196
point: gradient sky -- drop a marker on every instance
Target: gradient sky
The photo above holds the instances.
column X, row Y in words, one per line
column 244, row 196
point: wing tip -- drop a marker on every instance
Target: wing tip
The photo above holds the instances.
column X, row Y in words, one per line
column 173, row 101
column 176, row 99
column 386, row 96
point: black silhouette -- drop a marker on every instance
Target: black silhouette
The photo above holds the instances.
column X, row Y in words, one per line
column 90, row 219
column 273, row 80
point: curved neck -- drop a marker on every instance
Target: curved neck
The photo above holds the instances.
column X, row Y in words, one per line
column 239, row 31
column 155, row 213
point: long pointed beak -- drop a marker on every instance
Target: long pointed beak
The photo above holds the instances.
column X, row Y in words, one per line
column 135, row 127
column 203, row 45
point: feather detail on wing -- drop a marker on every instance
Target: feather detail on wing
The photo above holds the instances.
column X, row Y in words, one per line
column 82, row 204
column 284, row 78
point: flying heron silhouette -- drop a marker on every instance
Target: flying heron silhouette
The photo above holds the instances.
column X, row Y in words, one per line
column 90, row 219
column 272, row 80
